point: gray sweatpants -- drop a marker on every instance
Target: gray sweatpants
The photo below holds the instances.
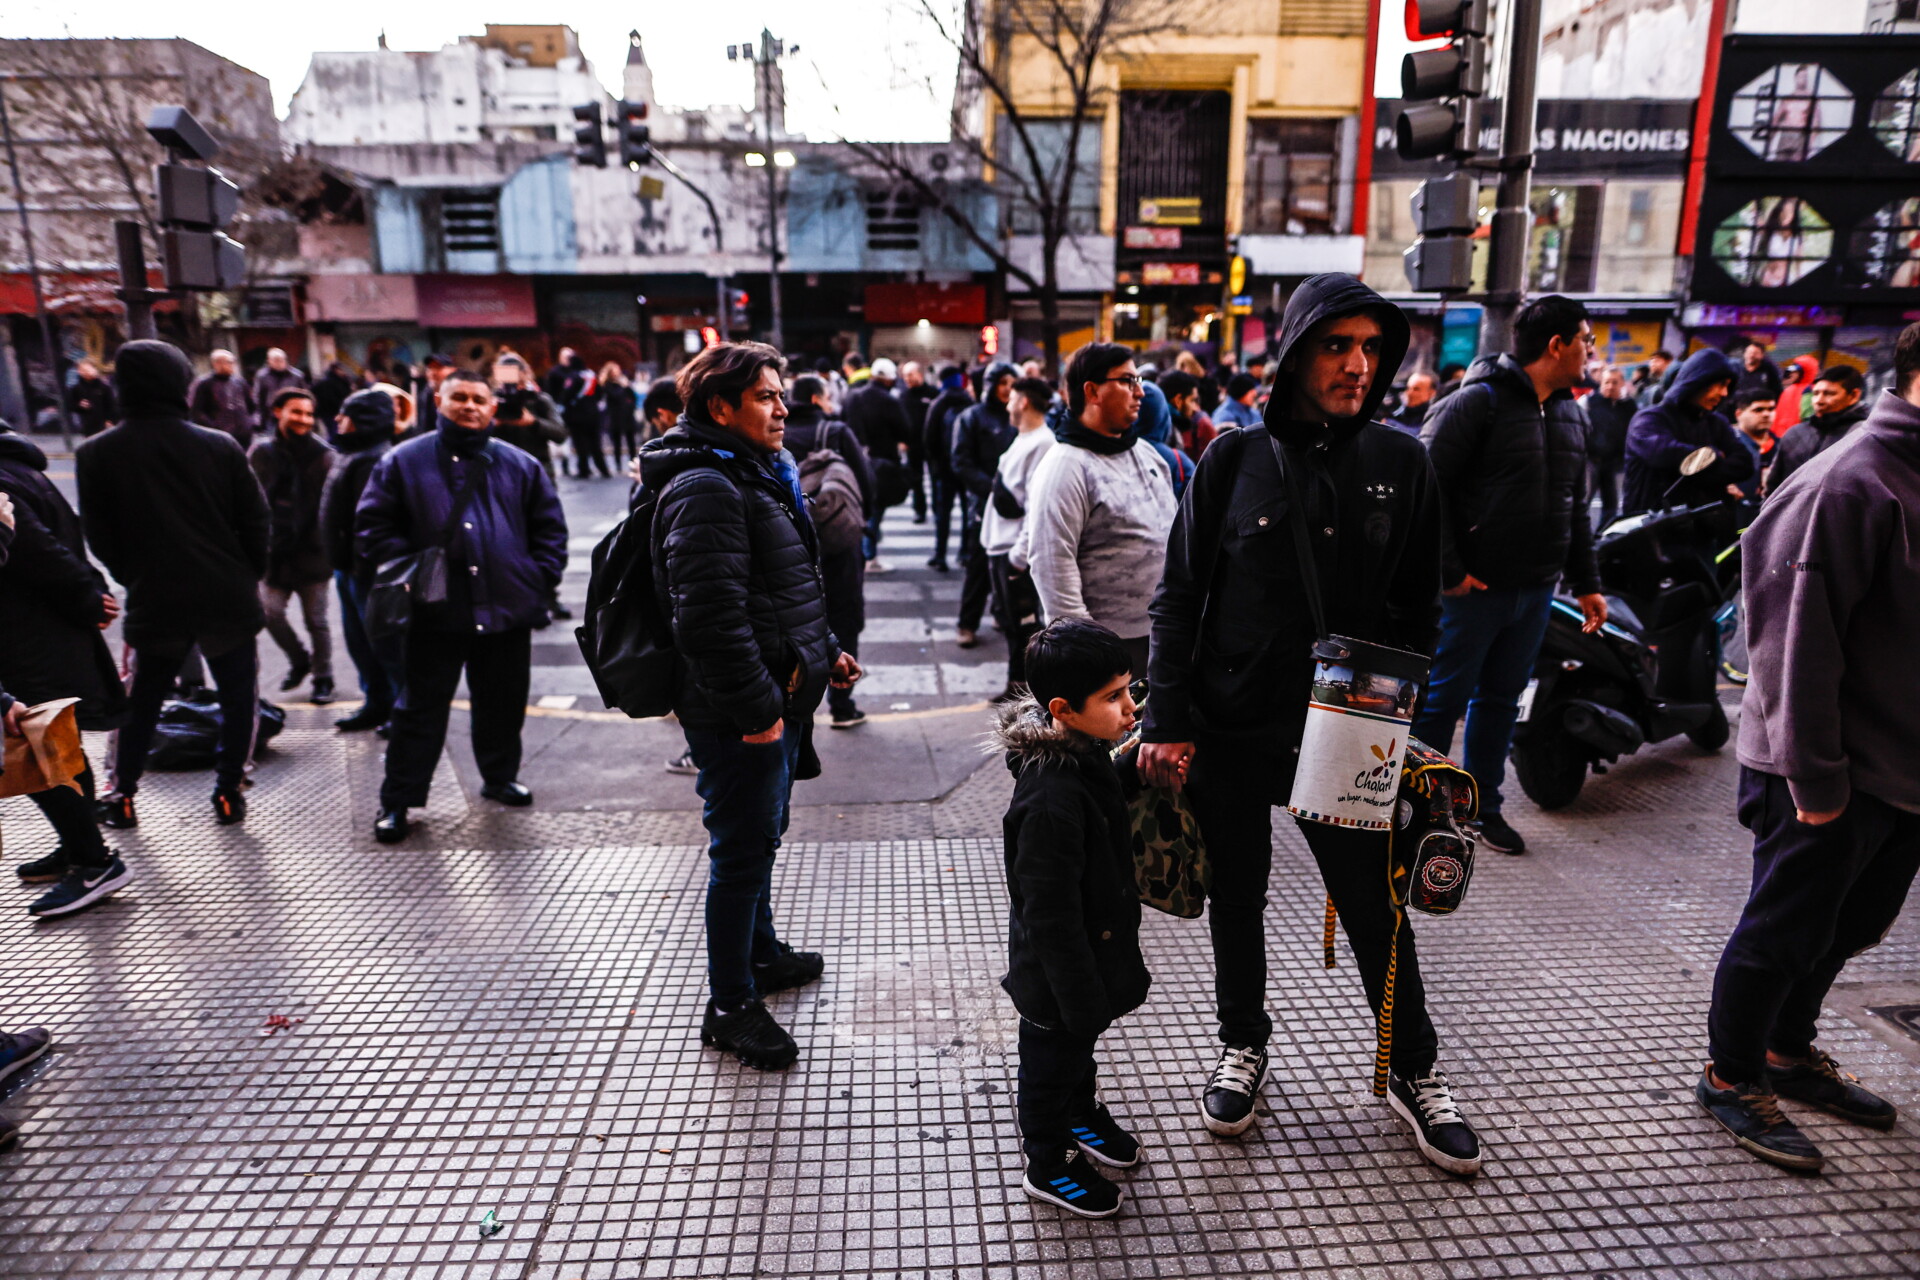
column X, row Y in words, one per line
column 314, row 598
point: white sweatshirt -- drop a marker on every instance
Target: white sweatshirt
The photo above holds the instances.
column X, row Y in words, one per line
column 999, row 533
column 1095, row 535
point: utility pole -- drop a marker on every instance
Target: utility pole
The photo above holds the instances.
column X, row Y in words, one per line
column 33, row 272
column 1512, row 229
column 764, row 66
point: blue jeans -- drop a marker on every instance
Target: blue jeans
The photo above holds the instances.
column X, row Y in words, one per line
column 1488, row 643
column 382, row 661
column 747, row 788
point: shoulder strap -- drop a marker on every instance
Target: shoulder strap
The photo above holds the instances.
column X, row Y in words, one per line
column 1303, row 547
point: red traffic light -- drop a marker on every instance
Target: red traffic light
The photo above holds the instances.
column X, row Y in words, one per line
column 1434, row 19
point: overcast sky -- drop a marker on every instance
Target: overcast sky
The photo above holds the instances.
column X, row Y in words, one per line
column 863, row 68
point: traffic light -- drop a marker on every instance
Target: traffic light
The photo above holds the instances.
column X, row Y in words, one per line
column 636, row 139
column 740, row 315
column 589, row 136
column 1445, row 82
column 194, row 203
column 1445, row 212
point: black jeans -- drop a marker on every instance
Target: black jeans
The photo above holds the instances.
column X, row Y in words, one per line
column 499, row 672
column 843, row 578
column 236, row 678
column 71, row 814
column 1820, row 896
column 944, row 492
column 973, row 591
column 1233, row 795
column 1016, row 603
column 586, row 446
column 1056, row 1082
column 746, row 789
column 1603, row 478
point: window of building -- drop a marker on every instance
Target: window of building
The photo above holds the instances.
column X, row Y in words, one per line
column 470, row 221
column 1639, row 215
column 1293, row 167
column 1566, row 233
column 1050, row 139
column 893, row 220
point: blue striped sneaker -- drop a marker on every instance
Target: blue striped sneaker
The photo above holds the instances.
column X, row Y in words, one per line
column 1102, row 1138
column 1073, row 1184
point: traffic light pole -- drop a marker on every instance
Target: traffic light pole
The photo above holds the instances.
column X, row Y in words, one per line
column 721, row 307
column 1513, row 217
column 777, row 335
column 139, row 299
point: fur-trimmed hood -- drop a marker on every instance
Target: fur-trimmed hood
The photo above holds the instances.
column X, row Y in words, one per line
column 1028, row 735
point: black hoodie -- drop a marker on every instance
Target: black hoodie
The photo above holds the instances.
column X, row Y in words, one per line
column 173, row 511
column 1232, row 630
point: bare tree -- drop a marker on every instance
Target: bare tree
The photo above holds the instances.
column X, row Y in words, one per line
column 79, row 110
column 1036, row 157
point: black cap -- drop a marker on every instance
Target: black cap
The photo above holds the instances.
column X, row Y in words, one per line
column 371, row 412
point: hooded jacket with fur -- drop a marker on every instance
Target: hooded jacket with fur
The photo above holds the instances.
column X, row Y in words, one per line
column 1073, row 925
column 1232, row 630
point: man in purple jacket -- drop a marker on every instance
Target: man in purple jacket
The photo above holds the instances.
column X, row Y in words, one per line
column 505, row 554
column 1827, row 783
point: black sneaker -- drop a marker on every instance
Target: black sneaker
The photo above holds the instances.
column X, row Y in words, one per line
column 21, row 1048
column 367, row 717
column 1227, row 1106
column 1751, row 1113
column 297, row 675
column 229, row 806
column 1819, row 1082
column 683, row 763
column 43, row 870
column 750, row 1034
column 792, row 969
column 115, row 810
column 1439, row 1130
column 1496, row 835
column 1072, row 1183
column 322, row 692
column 1102, row 1138
column 848, row 719
column 80, row 888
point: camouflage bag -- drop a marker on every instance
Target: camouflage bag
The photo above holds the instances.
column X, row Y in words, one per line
column 1170, row 867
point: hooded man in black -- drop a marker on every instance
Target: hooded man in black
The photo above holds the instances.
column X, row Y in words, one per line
column 175, row 514
column 1231, row 668
column 365, row 435
column 980, row 435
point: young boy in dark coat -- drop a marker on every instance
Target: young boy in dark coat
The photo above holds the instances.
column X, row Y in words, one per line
column 1073, row 937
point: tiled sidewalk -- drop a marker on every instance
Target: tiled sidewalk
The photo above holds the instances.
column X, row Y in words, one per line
column 505, row 1020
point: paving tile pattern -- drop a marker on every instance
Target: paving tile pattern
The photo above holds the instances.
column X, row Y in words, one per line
column 505, row 1021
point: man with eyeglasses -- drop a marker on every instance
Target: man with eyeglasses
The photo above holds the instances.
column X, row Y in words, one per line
column 1099, row 509
column 1509, row 451
column 495, row 512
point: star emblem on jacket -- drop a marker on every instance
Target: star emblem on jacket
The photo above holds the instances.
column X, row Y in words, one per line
column 1380, row 492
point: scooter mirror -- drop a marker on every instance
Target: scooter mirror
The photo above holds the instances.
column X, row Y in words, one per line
column 1699, row 460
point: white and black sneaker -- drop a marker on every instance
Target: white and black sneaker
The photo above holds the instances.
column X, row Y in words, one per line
column 80, row 888
column 683, row 763
column 1227, row 1106
column 1071, row 1182
column 1439, row 1130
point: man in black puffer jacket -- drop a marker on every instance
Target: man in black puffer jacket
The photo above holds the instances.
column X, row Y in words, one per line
column 736, row 568
column 56, row 604
column 1509, row 450
column 175, row 514
column 364, row 436
column 980, row 435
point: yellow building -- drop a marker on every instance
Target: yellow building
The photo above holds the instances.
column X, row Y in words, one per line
column 1220, row 127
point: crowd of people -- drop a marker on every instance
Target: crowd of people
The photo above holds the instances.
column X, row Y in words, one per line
column 1201, row 530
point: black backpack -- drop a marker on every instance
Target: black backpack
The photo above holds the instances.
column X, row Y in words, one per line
column 625, row 638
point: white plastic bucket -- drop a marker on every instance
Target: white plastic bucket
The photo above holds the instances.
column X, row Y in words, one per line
column 1359, row 716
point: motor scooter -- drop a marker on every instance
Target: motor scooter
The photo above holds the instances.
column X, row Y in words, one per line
column 1651, row 672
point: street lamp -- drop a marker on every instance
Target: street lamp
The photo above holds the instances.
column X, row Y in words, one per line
column 756, row 160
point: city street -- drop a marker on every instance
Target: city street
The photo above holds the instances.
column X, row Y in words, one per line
column 286, row 1051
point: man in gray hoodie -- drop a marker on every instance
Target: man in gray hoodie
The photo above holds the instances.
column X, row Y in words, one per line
column 1827, row 783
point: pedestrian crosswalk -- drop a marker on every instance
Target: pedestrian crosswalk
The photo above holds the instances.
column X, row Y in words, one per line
column 908, row 647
